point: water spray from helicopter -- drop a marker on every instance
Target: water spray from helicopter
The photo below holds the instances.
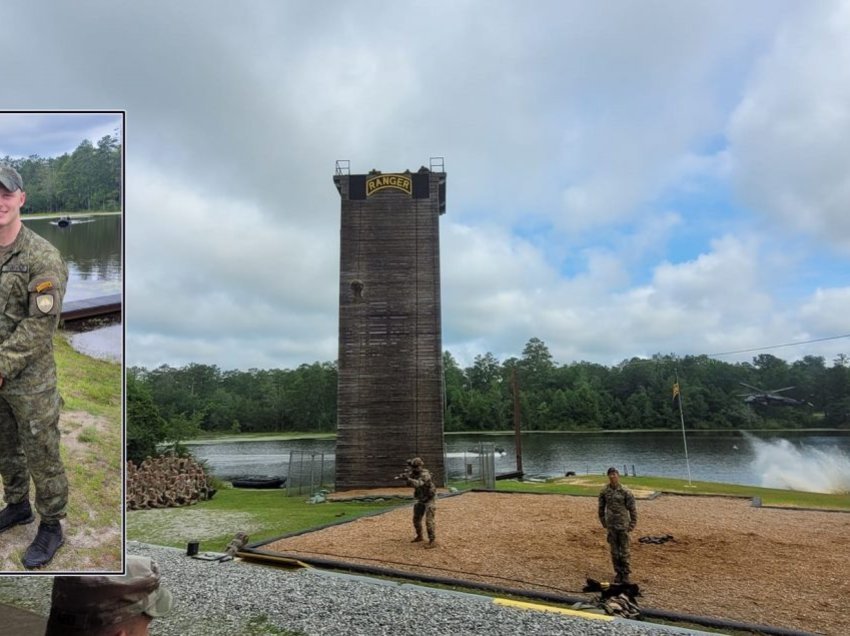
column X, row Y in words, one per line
column 781, row 464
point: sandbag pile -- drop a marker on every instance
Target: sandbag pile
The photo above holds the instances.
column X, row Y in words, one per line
column 165, row 482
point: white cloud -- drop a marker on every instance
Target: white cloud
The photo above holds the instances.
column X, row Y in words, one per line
column 826, row 312
column 719, row 301
column 570, row 116
column 211, row 272
column 789, row 134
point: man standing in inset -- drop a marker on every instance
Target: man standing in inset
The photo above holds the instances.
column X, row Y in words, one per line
column 425, row 493
column 618, row 515
column 33, row 277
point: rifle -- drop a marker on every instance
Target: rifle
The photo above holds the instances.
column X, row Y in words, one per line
column 407, row 471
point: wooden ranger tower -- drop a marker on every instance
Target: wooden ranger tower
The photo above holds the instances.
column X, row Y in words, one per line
column 390, row 392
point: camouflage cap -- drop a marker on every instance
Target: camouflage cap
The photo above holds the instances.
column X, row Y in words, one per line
column 10, row 178
column 416, row 462
column 81, row 604
column 612, row 470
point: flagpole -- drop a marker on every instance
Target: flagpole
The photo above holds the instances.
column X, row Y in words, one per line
column 682, row 420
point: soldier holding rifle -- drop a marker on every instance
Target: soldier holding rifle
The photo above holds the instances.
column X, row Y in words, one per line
column 425, row 493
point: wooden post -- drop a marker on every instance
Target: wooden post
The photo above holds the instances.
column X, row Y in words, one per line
column 517, row 432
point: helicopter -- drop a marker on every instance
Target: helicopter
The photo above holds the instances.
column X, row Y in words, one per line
column 771, row 397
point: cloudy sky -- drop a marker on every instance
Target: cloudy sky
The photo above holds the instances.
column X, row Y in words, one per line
column 50, row 134
column 624, row 178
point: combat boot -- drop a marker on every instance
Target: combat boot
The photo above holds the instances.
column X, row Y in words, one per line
column 44, row 546
column 431, row 544
column 16, row 514
column 417, row 538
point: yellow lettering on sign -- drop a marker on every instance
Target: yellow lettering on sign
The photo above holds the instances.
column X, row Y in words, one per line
column 384, row 181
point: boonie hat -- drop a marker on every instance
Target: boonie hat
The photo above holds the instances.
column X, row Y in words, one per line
column 416, row 462
column 10, row 178
column 84, row 603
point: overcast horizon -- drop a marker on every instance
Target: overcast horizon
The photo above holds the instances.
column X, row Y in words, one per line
column 622, row 179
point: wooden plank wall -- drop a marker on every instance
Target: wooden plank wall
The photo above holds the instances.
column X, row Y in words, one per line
column 390, row 393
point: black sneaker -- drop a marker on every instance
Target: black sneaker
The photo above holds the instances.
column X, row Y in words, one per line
column 16, row 514
column 44, row 546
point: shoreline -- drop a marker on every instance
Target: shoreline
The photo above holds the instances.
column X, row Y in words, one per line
column 35, row 216
column 283, row 437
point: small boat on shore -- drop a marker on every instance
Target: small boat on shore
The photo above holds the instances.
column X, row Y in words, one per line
column 257, row 481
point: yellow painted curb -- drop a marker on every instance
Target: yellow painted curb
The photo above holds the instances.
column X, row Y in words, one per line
column 550, row 608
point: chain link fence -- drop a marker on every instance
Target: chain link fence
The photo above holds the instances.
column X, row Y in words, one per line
column 309, row 472
column 475, row 466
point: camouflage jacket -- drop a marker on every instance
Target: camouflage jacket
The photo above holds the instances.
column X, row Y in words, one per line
column 617, row 508
column 33, row 278
column 424, row 489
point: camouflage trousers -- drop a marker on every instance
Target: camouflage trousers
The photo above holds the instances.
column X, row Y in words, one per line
column 424, row 510
column 618, row 540
column 29, row 446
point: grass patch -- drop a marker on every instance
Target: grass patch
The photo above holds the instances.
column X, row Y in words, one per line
column 590, row 485
column 88, row 384
column 261, row 626
column 263, row 514
column 88, row 435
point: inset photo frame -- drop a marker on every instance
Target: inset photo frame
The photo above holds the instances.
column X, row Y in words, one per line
column 62, row 434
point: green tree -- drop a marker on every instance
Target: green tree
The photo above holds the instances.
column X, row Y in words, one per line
column 454, row 381
column 484, row 372
column 145, row 427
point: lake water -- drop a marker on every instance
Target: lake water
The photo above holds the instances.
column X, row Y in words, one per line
column 92, row 250
column 788, row 460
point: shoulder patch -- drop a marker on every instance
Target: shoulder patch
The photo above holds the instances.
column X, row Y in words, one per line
column 45, row 303
column 45, row 296
column 43, row 284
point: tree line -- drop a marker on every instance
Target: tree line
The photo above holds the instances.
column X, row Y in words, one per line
column 87, row 179
column 169, row 403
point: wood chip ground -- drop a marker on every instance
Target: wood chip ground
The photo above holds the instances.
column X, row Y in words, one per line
column 728, row 560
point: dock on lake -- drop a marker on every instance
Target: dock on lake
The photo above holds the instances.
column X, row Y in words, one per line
column 91, row 308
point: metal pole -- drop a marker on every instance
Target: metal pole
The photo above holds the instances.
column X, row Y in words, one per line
column 289, row 476
column 682, row 420
column 517, row 435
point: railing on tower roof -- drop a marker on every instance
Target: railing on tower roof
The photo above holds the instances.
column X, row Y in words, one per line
column 343, row 167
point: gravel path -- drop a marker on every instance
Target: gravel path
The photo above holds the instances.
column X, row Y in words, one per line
column 238, row 598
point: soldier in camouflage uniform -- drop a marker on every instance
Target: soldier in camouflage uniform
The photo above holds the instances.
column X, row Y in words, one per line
column 33, row 277
column 617, row 514
column 425, row 493
column 109, row 605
